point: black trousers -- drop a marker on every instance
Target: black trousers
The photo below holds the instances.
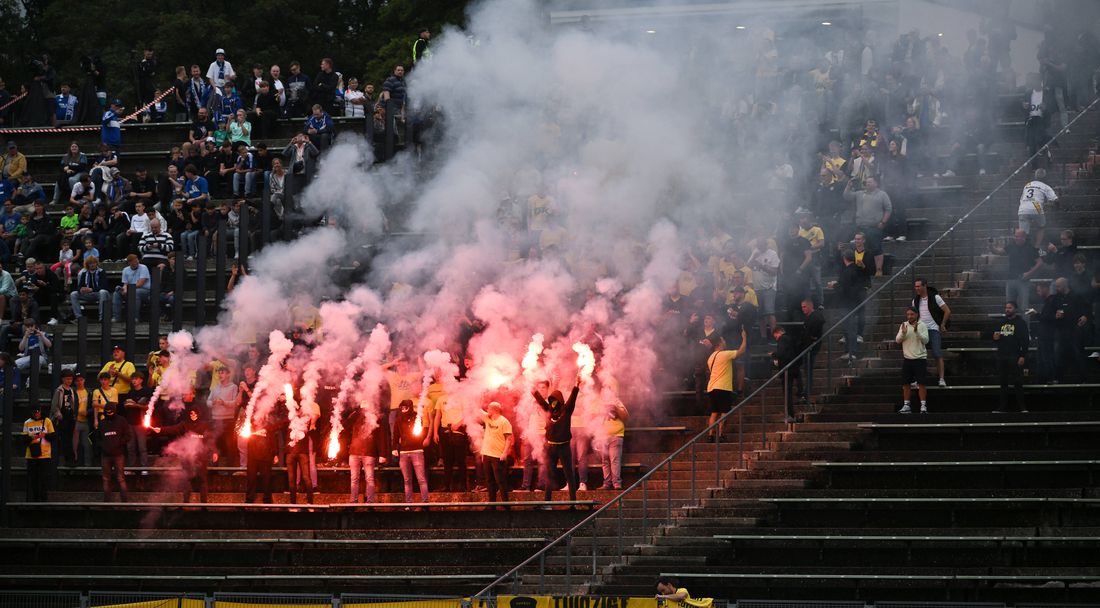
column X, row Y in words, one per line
column 496, row 476
column 1010, row 373
column 555, row 453
column 38, row 479
column 296, row 462
column 113, row 466
column 196, row 479
column 259, row 468
column 455, row 447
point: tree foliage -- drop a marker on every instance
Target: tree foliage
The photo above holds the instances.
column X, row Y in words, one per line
column 365, row 38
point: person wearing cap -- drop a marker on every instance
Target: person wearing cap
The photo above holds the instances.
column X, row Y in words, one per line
column 421, row 49
column 101, row 396
column 85, row 421
column 559, row 435
column 15, row 163
column 197, row 453
column 913, row 338
column 114, row 435
column 111, row 125
column 39, row 430
column 119, row 370
column 496, row 445
column 220, row 71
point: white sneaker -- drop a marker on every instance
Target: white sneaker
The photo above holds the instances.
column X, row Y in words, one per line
column 912, row 385
column 842, row 340
column 900, row 239
column 949, row 173
column 52, row 321
column 943, row 382
column 582, row 488
column 887, row 239
column 563, row 488
column 859, row 339
column 981, row 172
column 1095, row 355
column 935, row 175
column 905, row 410
column 923, row 409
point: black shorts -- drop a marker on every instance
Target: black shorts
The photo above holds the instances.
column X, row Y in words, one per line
column 720, row 401
column 914, row 370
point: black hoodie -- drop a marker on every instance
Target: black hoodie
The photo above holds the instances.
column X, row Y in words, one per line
column 559, row 427
column 114, row 435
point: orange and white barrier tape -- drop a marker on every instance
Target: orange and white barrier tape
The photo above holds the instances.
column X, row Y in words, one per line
column 84, row 129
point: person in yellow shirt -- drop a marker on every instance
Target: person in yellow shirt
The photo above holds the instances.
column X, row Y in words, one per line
column 813, row 233
column 119, row 370
column 833, row 162
column 720, row 384
column 154, row 355
column 668, row 591
column 106, row 393
column 496, row 444
column 450, row 436
column 404, row 384
column 40, row 433
column 611, row 453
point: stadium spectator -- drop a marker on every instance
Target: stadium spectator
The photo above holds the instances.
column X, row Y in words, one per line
column 1011, row 336
column 849, row 290
column 40, row 238
column 764, row 261
column 40, row 433
column 1023, row 263
column 43, row 286
column 873, row 209
column 250, row 87
column 421, row 48
column 134, row 276
column 202, row 127
column 7, row 291
column 261, row 455
column 222, row 403
column 1069, row 316
column 408, row 447
column 297, row 91
column 935, row 314
column 319, row 127
column 266, row 110
column 278, row 89
column 220, row 71
column 534, row 449
column 611, row 448
column 355, row 101
column 63, row 413
column 113, row 433
column 813, row 326
column 64, row 106
column 14, row 164
column 1061, row 257
column 110, row 126
column 198, row 451
column 796, row 255
column 155, row 245
column 367, row 450
column 297, row 462
column 559, row 436
column 28, row 191
column 450, row 435
column 393, row 89
column 813, row 233
column 73, row 164
column 324, row 86
column 496, row 445
column 134, row 404
column 143, row 188
column 1034, row 200
column 913, row 336
column 669, row 591
column 240, row 130
column 720, row 381
column 300, row 159
column 1038, row 105
column 244, row 172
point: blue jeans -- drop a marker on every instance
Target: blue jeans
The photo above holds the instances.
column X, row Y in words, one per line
column 364, row 464
column 119, row 302
column 248, row 180
column 611, row 455
column 75, row 298
column 136, row 450
column 410, row 462
column 189, row 240
column 1019, row 291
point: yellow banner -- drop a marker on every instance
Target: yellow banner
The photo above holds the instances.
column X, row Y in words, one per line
column 173, row 602
column 442, row 603
column 574, row 601
column 222, row 604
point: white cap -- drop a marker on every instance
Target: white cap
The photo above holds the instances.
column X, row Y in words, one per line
column 219, row 52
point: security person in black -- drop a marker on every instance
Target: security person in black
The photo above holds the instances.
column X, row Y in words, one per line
column 1011, row 336
column 559, row 435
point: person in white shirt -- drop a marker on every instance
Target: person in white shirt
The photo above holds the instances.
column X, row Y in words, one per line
column 764, row 263
column 219, row 71
column 354, row 100
column 913, row 336
column 934, row 313
column 277, row 86
column 1033, row 201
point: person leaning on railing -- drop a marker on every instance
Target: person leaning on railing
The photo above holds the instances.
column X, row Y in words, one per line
column 669, row 591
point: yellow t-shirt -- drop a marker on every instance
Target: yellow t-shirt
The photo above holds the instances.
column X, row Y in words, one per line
column 702, row 602
column 686, row 283
column 450, row 412
column 33, row 427
column 495, row 441
column 814, row 234
column 721, row 372
column 750, row 297
column 81, row 404
column 614, row 427
column 101, row 397
column 121, row 385
column 403, row 387
column 833, row 164
column 538, row 212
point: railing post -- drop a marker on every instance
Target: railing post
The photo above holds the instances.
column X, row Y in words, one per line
column 156, row 277
column 620, row 534
column 177, row 296
column 200, row 283
column 33, row 379
column 105, row 338
column 55, row 361
column 668, row 494
column 787, row 393
column 542, row 571
column 244, row 234
column 81, row 343
column 568, row 564
column 717, row 457
column 741, row 435
column 593, row 552
column 829, row 358
column 645, row 509
column 6, row 448
column 693, row 472
column 265, row 217
column 133, row 305
column 220, row 252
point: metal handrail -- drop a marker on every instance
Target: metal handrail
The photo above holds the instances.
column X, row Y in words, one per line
column 779, row 374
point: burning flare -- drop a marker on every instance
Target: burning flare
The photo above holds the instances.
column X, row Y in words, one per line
column 333, row 447
column 246, row 429
column 586, row 361
column 417, row 426
column 148, row 421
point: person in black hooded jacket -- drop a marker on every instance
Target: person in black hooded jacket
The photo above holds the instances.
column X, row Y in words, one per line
column 559, row 435
column 195, row 459
column 114, row 435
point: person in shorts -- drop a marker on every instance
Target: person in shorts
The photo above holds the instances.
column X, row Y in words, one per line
column 913, row 338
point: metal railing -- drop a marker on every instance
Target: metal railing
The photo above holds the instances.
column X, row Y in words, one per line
column 647, row 505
